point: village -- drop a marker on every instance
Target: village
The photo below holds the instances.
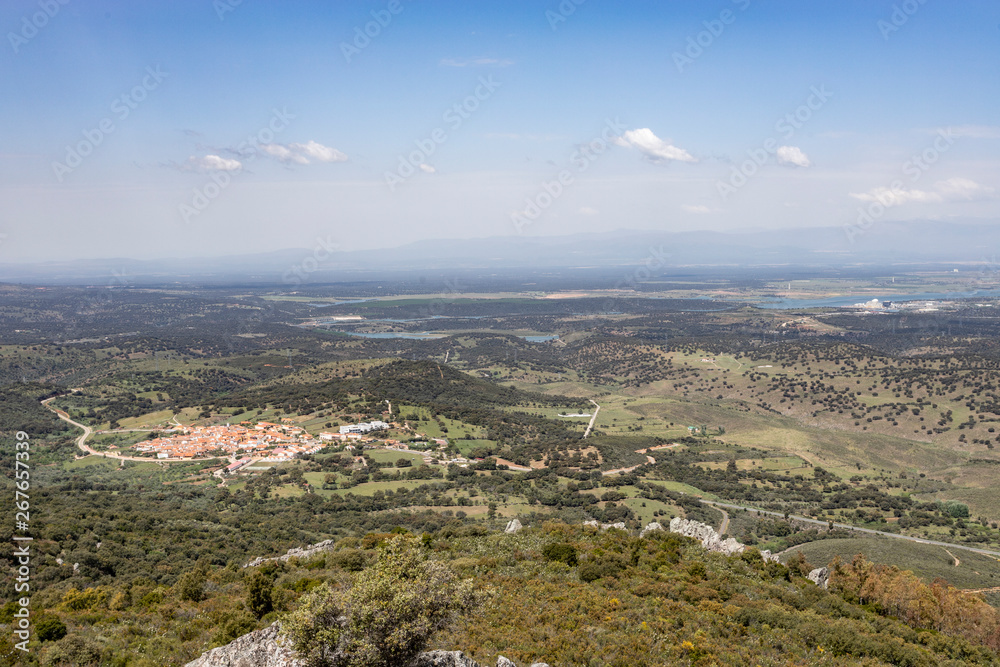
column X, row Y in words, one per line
column 267, row 442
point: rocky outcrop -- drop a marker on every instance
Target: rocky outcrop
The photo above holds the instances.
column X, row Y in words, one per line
column 295, row 552
column 445, row 659
column 513, row 526
column 710, row 539
column 605, row 526
column 820, row 576
column 263, row 648
column 650, row 527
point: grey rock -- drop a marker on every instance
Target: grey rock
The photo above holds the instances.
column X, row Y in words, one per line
column 295, row 552
column 263, row 648
column 513, row 526
column 650, row 527
column 539, row 664
column 444, row 659
column 710, row 539
column 505, row 662
column 605, row 526
column 820, row 576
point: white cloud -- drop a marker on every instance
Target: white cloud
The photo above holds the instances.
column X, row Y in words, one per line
column 696, row 208
column 303, row 153
column 956, row 189
column 427, row 169
column 890, row 197
column 951, row 190
column 475, row 62
column 972, row 131
column 792, row 155
column 319, row 152
column 587, row 210
column 283, row 153
column 652, row 146
column 212, row 163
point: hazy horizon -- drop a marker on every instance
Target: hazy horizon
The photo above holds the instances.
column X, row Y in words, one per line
column 199, row 128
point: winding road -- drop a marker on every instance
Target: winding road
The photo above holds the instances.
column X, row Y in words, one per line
column 593, row 418
column 867, row 531
column 81, row 442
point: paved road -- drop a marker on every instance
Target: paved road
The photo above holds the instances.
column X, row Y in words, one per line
column 725, row 522
column 593, row 418
column 867, row 531
column 81, row 442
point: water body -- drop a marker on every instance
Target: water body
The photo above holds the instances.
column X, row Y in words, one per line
column 427, row 335
column 339, row 303
column 842, row 301
column 397, row 334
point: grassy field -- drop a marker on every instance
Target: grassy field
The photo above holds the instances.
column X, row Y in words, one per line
column 925, row 560
column 87, row 461
column 391, row 456
column 466, row 446
column 369, row 488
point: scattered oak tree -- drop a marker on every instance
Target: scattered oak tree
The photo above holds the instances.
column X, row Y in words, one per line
column 388, row 614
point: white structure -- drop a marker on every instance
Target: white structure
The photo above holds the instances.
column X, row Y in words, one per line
column 364, row 427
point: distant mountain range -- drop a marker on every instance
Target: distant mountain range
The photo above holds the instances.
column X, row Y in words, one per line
column 967, row 246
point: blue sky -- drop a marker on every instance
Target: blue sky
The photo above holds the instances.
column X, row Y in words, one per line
column 219, row 127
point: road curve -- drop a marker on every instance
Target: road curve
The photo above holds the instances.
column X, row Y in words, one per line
column 87, row 431
column 593, row 417
column 81, row 442
column 868, row 531
column 724, row 527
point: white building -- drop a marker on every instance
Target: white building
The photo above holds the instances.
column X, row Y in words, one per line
column 364, row 427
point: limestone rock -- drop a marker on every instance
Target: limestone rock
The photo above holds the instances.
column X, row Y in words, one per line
column 593, row 523
column 710, row 539
column 513, row 526
column 262, row 648
column 295, row 552
column 505, row 662
column 820, row 576
column 650, row 527
column 444, row 659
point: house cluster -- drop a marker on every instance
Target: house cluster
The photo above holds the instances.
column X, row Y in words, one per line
column 264, row 439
